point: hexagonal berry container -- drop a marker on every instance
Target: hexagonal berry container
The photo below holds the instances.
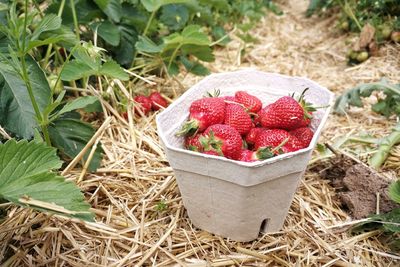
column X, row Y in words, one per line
column 237, row 199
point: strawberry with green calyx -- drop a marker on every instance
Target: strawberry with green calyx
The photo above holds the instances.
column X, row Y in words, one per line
column 286, row 113
column 157, row 101
column 275, row 138
column 252, row 135
column 203, row 113
column 223, row 139
column 238, row 118
column 250, row 102
column 193, row 143
column 262, row 153
column 304, row 135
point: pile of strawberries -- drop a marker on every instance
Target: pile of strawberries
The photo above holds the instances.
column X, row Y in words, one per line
column 239, row 128
column 145, row 104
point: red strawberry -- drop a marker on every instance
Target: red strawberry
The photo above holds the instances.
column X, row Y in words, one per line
column 157, row 101
column 204, row 112
column 223, row 139
column 250, row 102
column 144, row 104
column 293, row 144
column 238, row 118
column 193, row 143
column 304, row 134
column 211, row 152
column 251, row 156
column 286, row 113
column 270, row 138
column 252, row 135
column 228, row 98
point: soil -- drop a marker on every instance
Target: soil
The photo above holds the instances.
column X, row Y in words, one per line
column 358, row 187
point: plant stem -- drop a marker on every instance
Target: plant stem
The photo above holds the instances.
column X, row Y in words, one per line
column 75, row 18
column 173, row 56
column 28, row 82
column 48, row 51
column 385, row 146
column 149, row 22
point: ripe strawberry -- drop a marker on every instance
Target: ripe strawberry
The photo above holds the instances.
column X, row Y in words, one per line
column 228, row 98
column 157, row 101
column 286, row 113
column 304, row 135
column 211, row 152
column 193, row 143
column 238, row 118
column 270, row 138
column 223, row 139
column 203, row 113
column 251, row 156
column 252, row 135
column 293, row 144
column 251, row 103
column 144, row 104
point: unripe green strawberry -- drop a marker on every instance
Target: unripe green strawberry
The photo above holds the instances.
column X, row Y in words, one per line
column 223, row 139
column 203, row 113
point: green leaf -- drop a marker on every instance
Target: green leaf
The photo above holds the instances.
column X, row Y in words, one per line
column 154, row 5
column 394, row 191
column 174, row 16
column 37, row 43
column 69, row 134
column 144, row 44
column 108, row 32
column 75, row 70
column 124, row 52
column 193, row 34
column 17, row 115
column 65, row 35
column 219, row 34
column 50, row 22
column 78, row 103
column 112, row 69
column 194, row 67
column 27, row 179
column 204, row 53
column 112, row 8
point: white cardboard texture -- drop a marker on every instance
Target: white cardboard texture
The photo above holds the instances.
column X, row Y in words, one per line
column 231, row 198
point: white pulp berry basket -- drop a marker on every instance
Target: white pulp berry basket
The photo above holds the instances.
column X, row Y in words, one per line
column 231, row 198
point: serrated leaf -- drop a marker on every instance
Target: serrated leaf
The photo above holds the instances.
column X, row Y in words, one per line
column 194, row 67
column 154, row 5
column 17, row 115
column 65, row 35
column 78, row 103
column 37, row 43
column 26, row 178
column 70, row 135
column 50, row 22
column 108, row 32
column 204, row 53
column 112, row 8
column 126, row 49
column 75, row 70
column 193, row 34
column 112, row 69
column 394, row 191
column 174, row 16
column 144, row 44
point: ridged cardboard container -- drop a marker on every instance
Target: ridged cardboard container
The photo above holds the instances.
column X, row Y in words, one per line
column 231, row 198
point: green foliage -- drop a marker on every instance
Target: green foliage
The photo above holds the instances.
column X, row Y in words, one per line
column 387, row 105
column 27, row 178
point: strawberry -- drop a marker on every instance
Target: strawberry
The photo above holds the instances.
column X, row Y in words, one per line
column 228, row 98
column 203, row 113
column 286, row 113
column 277, row 139
column 193, row 143
column 251, row 156
column 252, row 135
column 144, row 104
column 211, row 152
column 223, row 139
column 304, row 134
column 306, row 121
column 238, row 118
column 157, row 101
column 250, row 102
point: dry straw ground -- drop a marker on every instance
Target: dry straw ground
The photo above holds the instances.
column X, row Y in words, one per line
column 127, row 194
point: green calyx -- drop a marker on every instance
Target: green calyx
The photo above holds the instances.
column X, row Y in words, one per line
column 307, row 106
column 216, row 93
column 269, row 152
column 209, row 142
column 189, row 128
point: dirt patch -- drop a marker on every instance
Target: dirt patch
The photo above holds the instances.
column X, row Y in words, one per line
column 359, row 187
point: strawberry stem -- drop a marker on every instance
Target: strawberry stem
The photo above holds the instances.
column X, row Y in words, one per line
column 189, row 128
column 216, row 93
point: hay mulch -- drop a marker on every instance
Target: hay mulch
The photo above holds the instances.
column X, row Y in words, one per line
column 140, row 219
